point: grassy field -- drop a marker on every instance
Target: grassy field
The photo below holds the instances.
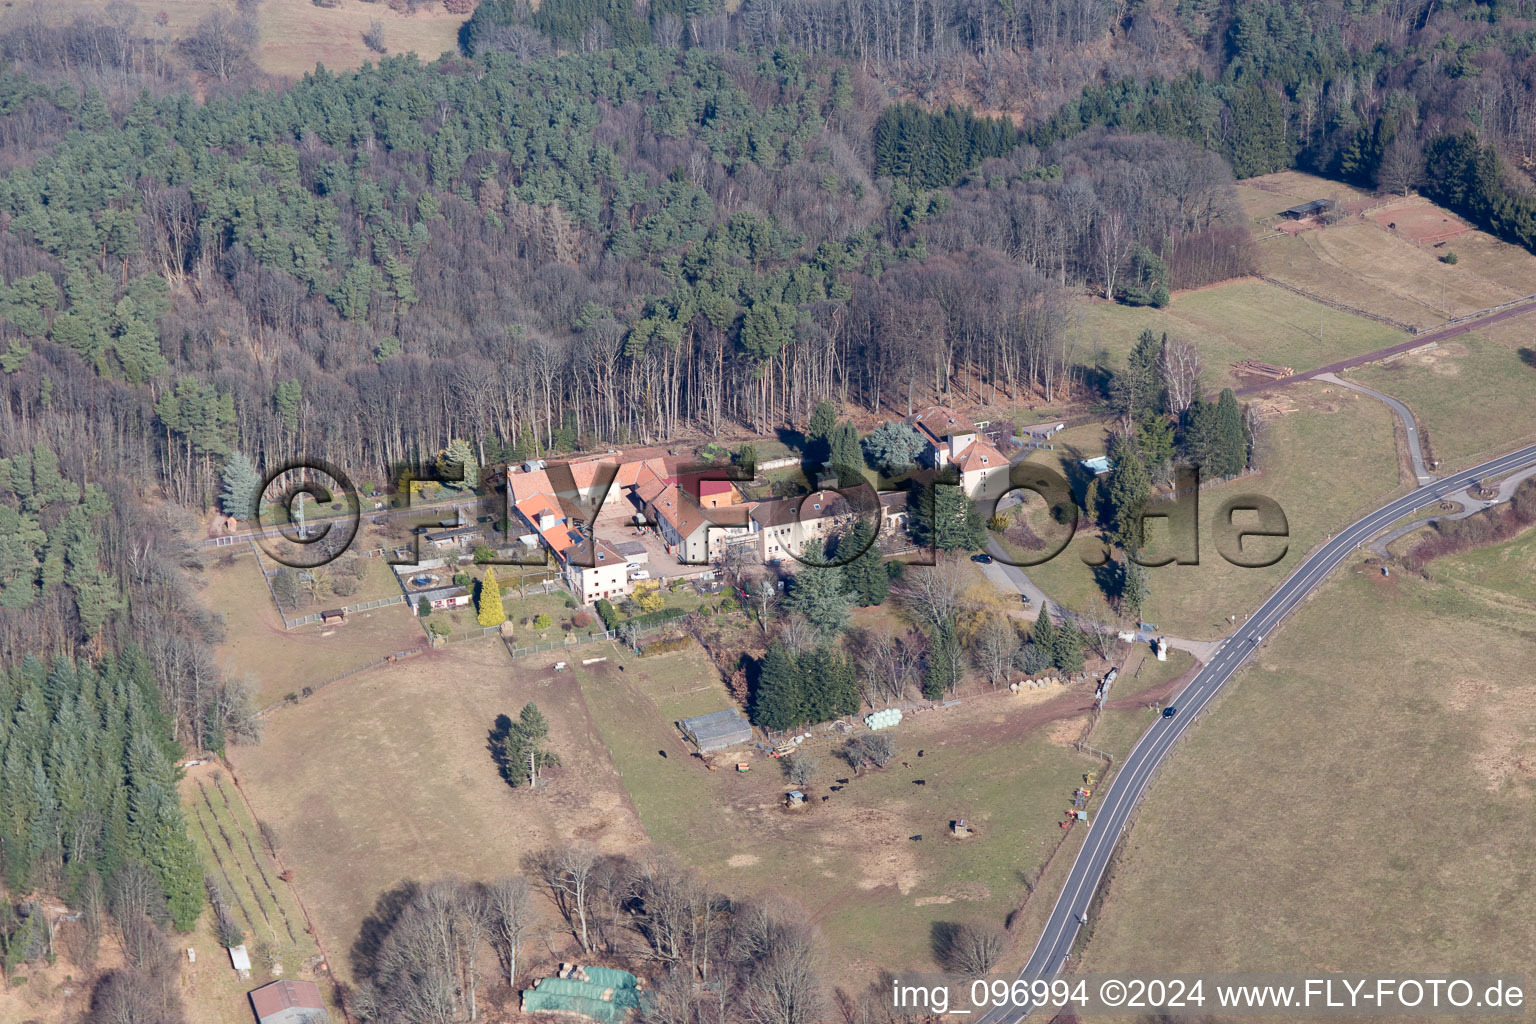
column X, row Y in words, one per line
column 1244, row 319
column 1360, row 263
column 1474, row 394
column 875, row 892
column 264, row 906
column 1263, row 198
column 295, row 34
column 278, row 661
column 386, row 778
column 1360, row 801
column 1328, row 458
column 1500, row 571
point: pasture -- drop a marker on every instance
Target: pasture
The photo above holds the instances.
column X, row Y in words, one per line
column 386, row 777
column 1360, row 800
column 1242, row 319
column 295, row 35
column 1371, row 259
column 852, row 859
column 1474, row 394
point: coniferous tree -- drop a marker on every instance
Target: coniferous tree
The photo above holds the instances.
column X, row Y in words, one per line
column 491, row 613
column 1043, row 635
column 1128, row 492
column 946, row 519
column 844, row 454
column 819, row 591
column 1231, row 441
column 1068, row 646
column 863, row 569
column 943, row 666
column 242, row 487
column 778, row 702
column 1133, row 585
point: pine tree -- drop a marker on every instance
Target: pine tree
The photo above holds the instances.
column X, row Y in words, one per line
column 242, row 487
column 946, row 519
column 819, row 592
column 823, row 419
column 829, row 688
column 1069, row 646
column 1128, row 493
column 516, row 747
column 1133, row 586
column 844, row 454
column 863, row 568
column 491, row 612
column 1043, row 635
column 943, row 672
column 1231, row 442
column 778, row 701
column 457, row 463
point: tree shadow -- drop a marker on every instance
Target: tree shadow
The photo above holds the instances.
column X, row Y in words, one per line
column 1110, row 579
column 1528, row 356
column 942, row 936
column 496, row 744
column 387, row 911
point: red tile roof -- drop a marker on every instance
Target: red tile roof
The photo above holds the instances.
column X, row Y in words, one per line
column 939, row 421
column 286, row 995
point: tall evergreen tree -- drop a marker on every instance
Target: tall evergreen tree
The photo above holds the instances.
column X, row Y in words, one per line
column 943, row 664
column 1128, row 493
column 819, row 591
column 778, row 702
column 242, row 487
column 1043, row 635
column 491, row 612
column 863, row 568
column 1232, row 443
column 1068, row 646
column 946, row 519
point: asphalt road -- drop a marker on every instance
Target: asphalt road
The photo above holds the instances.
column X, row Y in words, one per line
column 1137, row 770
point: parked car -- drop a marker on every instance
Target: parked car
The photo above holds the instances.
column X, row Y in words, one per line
column 640, row 574
column 983, row 558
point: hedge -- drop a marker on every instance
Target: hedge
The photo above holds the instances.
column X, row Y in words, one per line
column 606, row 611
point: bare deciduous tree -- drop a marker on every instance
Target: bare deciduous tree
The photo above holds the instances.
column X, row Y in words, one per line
column 510, row 904
column 994, row 646
column 566, row 874
column 1180, row 367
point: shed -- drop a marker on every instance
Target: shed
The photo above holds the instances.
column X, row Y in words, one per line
column 1311, row 209
column 331, row 615
column 288, row 1002
column 717, row 730
column 240, row 960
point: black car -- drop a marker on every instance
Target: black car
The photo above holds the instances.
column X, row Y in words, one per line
column 1169, row 712
column 984, row 559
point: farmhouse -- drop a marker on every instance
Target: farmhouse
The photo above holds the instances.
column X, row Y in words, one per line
column 692, row 534
column 288, row 1002
column 596, row 570
column 955, row 441
column 785, row 526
